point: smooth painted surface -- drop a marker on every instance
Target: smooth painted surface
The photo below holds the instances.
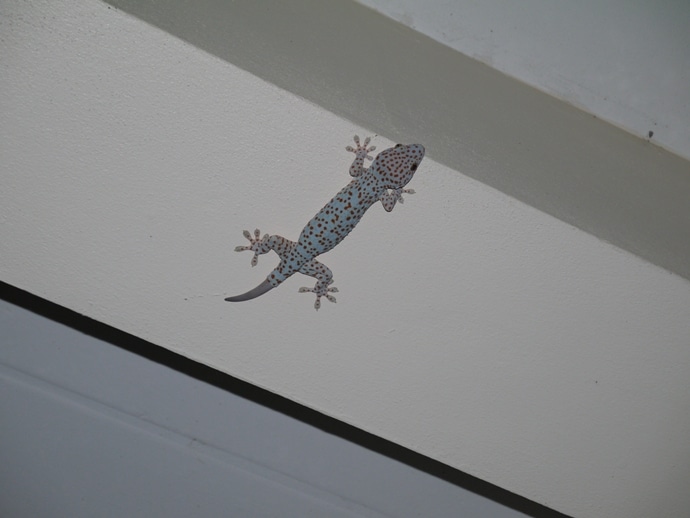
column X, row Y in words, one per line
column 625, row 61
column 89, row 429
column 383, row 76
column 469, row 327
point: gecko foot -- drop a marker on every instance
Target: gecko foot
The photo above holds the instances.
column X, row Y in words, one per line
column 257, row 245
column 389, row 199
column 361, row 154
column 322, row 290
column 399, row 192
column 362, row 151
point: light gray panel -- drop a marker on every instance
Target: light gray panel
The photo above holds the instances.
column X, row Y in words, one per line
column 62, row 457
column 91, row 429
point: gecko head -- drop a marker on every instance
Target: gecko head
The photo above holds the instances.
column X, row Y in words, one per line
column 396, row 166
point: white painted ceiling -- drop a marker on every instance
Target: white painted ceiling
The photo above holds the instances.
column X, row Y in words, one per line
column 134, row 431
column 627, row 61
column 471, row 327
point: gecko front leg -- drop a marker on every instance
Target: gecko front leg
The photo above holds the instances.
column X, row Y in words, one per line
column 361, row 152
column 389, row 199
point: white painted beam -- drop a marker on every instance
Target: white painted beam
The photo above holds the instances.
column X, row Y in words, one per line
column 383, row 76
column 470, row 326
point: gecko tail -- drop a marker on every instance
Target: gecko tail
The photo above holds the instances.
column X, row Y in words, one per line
column 252, row 294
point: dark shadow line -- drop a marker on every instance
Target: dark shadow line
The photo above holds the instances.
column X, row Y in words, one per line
column 271, row 400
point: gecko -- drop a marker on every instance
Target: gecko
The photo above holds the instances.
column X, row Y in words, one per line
column 383, row 180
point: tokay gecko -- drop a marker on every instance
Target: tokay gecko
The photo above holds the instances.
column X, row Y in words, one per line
column 383, row 180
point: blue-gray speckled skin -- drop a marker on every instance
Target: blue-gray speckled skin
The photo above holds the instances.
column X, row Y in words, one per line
column 384, row 180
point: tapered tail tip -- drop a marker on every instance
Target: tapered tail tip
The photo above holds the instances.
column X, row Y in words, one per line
column 252, row 294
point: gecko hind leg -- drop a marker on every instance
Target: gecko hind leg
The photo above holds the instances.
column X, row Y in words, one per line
column 261, row 245
column 324, row 278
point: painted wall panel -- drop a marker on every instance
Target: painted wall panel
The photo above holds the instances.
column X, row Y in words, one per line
column 625, row 61
column 470, row 327
column 92, row 429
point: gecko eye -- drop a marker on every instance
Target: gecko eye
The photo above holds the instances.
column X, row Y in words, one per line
column 398, row 145
column 413, row 167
